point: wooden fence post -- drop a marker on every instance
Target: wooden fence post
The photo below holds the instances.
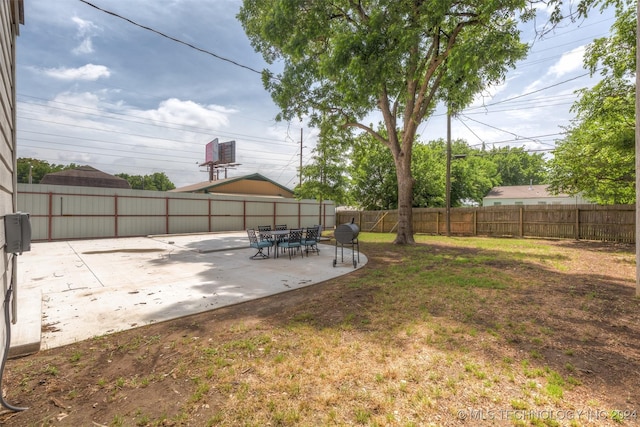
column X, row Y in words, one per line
column 475, row 222
column 521, row 222
column 577, row 226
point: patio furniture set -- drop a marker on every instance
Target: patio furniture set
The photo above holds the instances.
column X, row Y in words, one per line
column 282, row 238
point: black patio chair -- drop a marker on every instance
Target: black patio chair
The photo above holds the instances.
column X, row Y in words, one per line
column 310, row 240
column 281, row 238
column 293, row 242
column 258, row 244
column 264, row 233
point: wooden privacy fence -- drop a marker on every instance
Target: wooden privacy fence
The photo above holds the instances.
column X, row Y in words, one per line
column 581, row 222
column 64, row 212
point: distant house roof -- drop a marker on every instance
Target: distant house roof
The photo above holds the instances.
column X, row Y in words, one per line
column 85, row 176
column 530, row 195
column 254, row 184
column 522, row 192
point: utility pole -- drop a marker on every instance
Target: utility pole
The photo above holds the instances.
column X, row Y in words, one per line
column 300, row 157
column 323, row 162
column 448, row 180
column 638, row 151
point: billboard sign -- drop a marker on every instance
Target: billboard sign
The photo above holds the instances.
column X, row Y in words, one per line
column 227, row 152
column 211, row 154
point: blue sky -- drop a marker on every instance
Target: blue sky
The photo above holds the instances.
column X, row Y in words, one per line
column 94, row 89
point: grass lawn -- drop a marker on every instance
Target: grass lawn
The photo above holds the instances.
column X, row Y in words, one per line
column 451, row 331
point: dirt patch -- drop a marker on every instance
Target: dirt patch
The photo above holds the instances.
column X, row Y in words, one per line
column 439, row 333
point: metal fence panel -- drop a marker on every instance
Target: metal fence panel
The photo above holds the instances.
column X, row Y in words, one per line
column 65, row 212
column 75, row 227
column 231, row 223
column 188, row 207
column 141, row 226
column 148, row 206
column 188, row 224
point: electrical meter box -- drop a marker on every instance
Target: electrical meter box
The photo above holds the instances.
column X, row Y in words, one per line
column 17, row 229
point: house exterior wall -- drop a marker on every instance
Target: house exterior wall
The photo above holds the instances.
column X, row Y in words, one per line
column 9, row 28
column 262, row 188
column 529, row 195
column 500, row 201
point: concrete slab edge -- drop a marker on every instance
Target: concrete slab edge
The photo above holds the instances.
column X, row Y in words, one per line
column 26, row 334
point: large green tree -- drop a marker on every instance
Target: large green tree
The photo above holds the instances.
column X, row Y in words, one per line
column 396, row 58
column 157, row 181
column 373, row 183
column 374, row 186
column 429, row 172
column 324, row 178
column 472, row 174
column 518, row 167
column 597, row 157
column 36, row 169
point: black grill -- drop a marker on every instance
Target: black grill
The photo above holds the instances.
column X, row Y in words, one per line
column 347, row 234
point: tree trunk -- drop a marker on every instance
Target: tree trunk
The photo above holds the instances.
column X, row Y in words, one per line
column 404, row 234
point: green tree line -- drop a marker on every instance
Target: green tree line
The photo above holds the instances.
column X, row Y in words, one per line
column 33, row 170
column 360, row 172
column 595, row 158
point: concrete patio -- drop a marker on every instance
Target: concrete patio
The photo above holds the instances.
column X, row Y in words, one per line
column 74, row 290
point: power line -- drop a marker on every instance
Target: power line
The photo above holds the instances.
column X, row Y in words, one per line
column 215, row 56
column 173, row 38
column 114, row 143
column 203, row 131
column 518, row 137
column 533, row 91
column 508, row 100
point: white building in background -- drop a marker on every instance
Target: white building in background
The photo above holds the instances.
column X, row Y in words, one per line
column 529, row 195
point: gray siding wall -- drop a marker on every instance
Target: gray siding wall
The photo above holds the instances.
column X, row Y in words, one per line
column 8, row 32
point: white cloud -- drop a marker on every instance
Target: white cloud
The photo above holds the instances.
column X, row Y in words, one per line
column 569, row 62
column 84, row 99
column 89, row 72
column 188, row 113
column 85, row 47
column 85, row 31
column 84, row 27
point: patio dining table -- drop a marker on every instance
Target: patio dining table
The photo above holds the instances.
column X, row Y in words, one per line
column 277, row 234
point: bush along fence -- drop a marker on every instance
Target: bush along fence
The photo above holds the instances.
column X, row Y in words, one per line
column 580, row 222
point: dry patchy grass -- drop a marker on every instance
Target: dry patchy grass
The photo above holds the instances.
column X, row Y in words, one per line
column 448, row 332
